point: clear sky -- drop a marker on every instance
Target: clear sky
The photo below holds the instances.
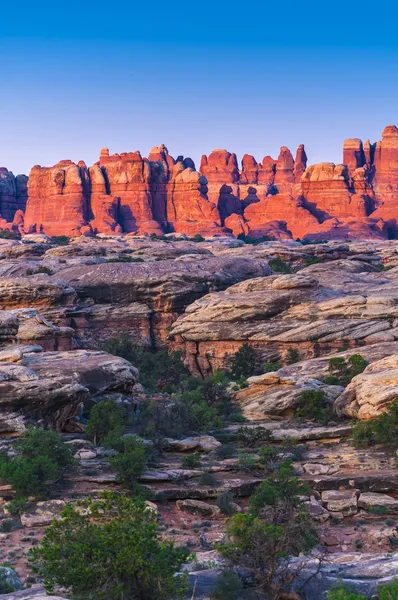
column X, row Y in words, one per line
column 248, row 77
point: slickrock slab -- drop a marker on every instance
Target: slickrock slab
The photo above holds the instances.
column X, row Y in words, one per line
column 344, row 501
column 369, row 500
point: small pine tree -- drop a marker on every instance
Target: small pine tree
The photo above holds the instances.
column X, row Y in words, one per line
column 243, row 362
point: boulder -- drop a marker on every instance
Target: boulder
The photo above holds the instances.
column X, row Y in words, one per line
column 202, row 443
column 370, row 393
column 369, row 500
column 344, row 501
column 197, row 507
column 43, row 513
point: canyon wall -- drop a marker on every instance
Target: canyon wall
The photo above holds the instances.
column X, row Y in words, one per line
column 276, row 198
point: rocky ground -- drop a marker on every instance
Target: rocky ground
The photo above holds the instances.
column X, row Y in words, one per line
column 59, row 304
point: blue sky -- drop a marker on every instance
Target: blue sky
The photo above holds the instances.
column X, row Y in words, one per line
column 248, row 77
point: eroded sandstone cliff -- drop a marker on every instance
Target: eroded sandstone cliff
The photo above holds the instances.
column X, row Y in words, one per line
column 278, row 198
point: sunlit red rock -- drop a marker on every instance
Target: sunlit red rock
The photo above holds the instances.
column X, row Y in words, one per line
column 284, row 208
column 57, row 204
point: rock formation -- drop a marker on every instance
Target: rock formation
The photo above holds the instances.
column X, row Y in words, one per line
column 278, row 198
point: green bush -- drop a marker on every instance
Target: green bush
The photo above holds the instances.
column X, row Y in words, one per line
column 272, row 366
column 208, row 478
column 269, row 457
column 159, row 371
column 130, row 463
column 276, row 527
column 41, row 462
column 225, row 451
column 42, row 269
column 246, row 462
column 225, row 502
column 341, row 591
column 18, row 506
column 125, row 259
column 107, row 419
column 292, row 356
column 191, row 461
column 6, row 234
column 279, row 266
column 313, row 260
column 381, row 430
column 198, row 238
column 389, row 591
column 250, row 437
column 312, row 405
column 228, row 586
column 243, row 363
column 60, row 240
column 110, row 551
column 342, row 370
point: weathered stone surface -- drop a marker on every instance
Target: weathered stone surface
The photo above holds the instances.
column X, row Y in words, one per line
column 343, row 302
column 369, row 500
column 204, row 443
column 197, row 507
column 52, row 386
column 370, row 393
column 344, row 501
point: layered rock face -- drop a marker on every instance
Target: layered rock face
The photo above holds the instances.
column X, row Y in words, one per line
column 315, row 311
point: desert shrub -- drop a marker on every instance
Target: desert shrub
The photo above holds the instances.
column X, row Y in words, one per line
column 381, row 430
column 272, row 366
column 276, row 527
column 110, row 551
column 341, row 591
column 225, row 502
column 341, row 371
column 6, row 525
column 18, row 506
column 159, row 371
column 41, row 462
column 125, row 259
column 313, row 260
column 253, row 436
column 279, row 266
column 214, row 392
column 130, row 463
column 254, row 241
column 198, row 238
column 228, row 586
column 60, row 240
column 191, row 461
column 107, row 418
column 313, row 405
column 6, row 234
column 38, row 270
column 292, row 356
column 269, row 457
column 225, row 451
column 246, row 462
column 208, row 478
column 243, row 363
